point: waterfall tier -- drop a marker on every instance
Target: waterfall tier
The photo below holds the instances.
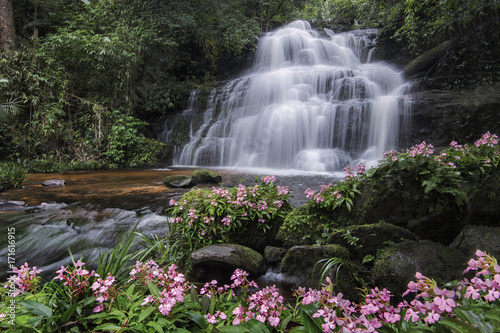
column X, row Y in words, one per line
column 311, row 102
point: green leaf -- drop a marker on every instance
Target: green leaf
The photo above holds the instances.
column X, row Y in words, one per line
column 311, row 324
column 107, row 327
column 256, row 326
column 145, row 313
column 67, row 314
column 130, row 290
column 198, row 318
column 156, row 326
column 153, row 289
column 233, row 329
column 37, row 308
column 458, row 326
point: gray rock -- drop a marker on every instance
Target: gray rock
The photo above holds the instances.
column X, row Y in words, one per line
column 395, row 266
column 476, row 237
column 232, row 255
column 54, row 182
column 178, row 181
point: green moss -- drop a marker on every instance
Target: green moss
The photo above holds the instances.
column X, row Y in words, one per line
column 370, row 237
column 203, row 176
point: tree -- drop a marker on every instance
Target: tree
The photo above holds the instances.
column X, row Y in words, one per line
column 7, row 30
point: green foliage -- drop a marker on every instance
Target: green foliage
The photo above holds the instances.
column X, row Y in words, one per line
column 12, row 175
column 127, row 146
column 244, row 215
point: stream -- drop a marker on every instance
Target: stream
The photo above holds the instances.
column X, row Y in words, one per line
column 95, row 209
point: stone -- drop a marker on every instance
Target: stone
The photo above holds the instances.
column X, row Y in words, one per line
column 178, row 181
column 54, row 182
column 232, row 255
column 395, row 266
column 274, row 254
column 203, row 176
column 370, row 237
column 477, row 237
column 12, row 205
column 463, row 115
column 302, row 260
column 424, row 62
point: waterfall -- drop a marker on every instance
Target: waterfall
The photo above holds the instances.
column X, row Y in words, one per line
column 311, row 102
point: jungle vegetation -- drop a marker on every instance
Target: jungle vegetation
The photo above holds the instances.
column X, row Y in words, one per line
column 83, row 82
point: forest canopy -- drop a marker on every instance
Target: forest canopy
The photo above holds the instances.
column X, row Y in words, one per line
column 83, row 82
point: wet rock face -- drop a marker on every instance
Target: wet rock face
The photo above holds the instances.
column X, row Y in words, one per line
column 441, row 116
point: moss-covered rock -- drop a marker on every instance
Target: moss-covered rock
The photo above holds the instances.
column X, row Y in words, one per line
column 274, row 254
column 178, row 181
column 232, row 255
column 395, row 266
column 476, row 237
column 362, row 240
column 203, row 176
column 302, row 260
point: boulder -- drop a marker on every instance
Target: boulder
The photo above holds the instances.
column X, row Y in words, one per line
column 274, row 254
column 362, row 240
column 395, row 266
column 302, row 261
column 229, row 256
column 204, row 176
column 178, row 181
column 54, row 182
column 201, row 176
column 476, row 237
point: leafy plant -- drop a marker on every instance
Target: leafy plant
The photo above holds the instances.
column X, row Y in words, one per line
column 12, row 175
column 240, row 214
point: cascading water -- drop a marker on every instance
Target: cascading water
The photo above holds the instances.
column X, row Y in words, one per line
column 309, row 103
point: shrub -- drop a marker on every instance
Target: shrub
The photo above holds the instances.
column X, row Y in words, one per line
column 12, row 175
column 247, row 215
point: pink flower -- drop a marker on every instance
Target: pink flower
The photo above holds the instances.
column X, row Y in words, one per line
column 98, row 308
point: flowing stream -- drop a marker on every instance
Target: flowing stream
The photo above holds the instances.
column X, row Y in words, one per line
column 94, row 210
column 311, row 102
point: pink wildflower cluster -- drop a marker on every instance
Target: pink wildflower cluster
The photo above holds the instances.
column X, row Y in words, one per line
column 486, row 282
column 256, row 203
column 24, row 281
column 423, row 149
column 338, row 313
column 319, row 197
column 430, row 301
column 487, row 139
column 240, row 280
column 103, row 290
column 76, row 278
column 210, row 289
column 173, row 283
column 390, row 155
column 377, row 302
column 269, row 179
column 212, row 319
column 266, row 304
column 350, row 173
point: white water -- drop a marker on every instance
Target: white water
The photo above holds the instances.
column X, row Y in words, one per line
column 309, row 103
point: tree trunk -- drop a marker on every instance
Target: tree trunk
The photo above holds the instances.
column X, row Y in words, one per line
column 7, row 30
